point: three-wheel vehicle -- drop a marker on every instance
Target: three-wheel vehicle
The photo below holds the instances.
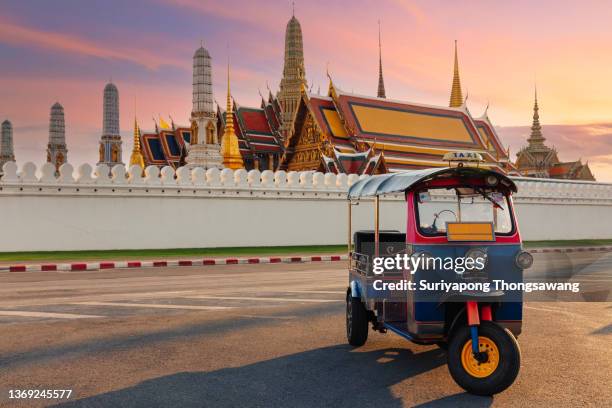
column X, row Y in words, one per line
column 452, row 212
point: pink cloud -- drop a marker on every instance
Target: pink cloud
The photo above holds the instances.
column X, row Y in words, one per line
column 19, row 35
column 248, row 12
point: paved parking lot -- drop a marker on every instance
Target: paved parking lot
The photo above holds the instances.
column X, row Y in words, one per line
column 261, row 335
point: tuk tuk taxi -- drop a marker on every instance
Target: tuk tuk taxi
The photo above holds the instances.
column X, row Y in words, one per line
column 461, row 211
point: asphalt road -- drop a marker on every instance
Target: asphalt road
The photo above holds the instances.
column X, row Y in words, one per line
column 262, row 335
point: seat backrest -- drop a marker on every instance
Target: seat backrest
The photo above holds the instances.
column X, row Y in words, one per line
column 390, row 241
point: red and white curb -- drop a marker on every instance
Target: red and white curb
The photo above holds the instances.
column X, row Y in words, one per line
column 574, row 249
column 94, row 266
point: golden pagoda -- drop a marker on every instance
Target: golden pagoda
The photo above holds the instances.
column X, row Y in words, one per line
column 456, row 98
column 230, row 150
column 136, row 157
column 539, row 160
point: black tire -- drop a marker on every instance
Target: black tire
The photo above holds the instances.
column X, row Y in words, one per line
column 503, row 375
column 356, row 321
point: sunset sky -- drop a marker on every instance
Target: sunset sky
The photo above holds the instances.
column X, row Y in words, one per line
column 66, row 51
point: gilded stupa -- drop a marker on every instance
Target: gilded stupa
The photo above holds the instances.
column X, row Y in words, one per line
column 136, row 157
column 230, row 150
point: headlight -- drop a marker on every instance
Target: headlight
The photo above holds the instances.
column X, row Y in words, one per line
column 524, row 260
column 492, row 180
column 479, row 257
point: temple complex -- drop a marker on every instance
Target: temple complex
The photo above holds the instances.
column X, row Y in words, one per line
column 341, row 132
column 57, row 154
column 6, row 144
column 538, row 160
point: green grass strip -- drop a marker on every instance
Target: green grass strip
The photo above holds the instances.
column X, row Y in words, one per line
column 168, row 253
column 568, row 243
column 233, row 251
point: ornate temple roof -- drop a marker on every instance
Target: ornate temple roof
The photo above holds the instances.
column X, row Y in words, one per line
column 536, row 159
column 354, row 163
column 254, row 128
column 165, row 147
column 575, row 170
column 411, row 135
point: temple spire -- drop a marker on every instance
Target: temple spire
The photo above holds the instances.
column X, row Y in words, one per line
column 456, row 98
column 230, row 149
column 136, row 156
column 294, row 75
column 381, row 82
column 536, row 139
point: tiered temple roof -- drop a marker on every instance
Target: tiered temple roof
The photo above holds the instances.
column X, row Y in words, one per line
column 257, row 130
column 410, row 135
column 165, row 147
column 258, row 133
column 354, row 163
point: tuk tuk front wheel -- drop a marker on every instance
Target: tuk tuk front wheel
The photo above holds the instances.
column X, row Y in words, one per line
column 497, row 366
column 356, row 321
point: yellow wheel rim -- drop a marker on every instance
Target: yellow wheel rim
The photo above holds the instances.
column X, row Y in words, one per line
column 472, row 366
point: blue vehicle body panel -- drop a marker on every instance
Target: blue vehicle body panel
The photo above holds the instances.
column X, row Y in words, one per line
column 429, row 313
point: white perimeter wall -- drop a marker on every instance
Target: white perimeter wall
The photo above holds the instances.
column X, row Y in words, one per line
column 82, row 209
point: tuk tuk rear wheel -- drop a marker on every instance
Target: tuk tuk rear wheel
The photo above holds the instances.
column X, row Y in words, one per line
column 503, row 359
column 356, row 321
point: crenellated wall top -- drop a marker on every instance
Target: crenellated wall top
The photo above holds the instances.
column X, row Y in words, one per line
column 86, row 179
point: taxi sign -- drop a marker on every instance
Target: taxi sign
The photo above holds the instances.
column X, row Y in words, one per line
column 463, row 156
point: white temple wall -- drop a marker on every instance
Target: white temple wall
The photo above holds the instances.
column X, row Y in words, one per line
column 84, row 211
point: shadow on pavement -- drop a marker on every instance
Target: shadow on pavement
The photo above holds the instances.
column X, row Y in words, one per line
column 49, row 352
column 604, row 330
column 331, row 376
column 459, row 400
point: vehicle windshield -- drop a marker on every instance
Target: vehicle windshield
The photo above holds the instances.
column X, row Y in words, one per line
column 437, row 206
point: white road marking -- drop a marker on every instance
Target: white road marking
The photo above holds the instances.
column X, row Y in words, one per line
column 554, row 309
column 331, row 292
column 266, row 299
column 21, row 313
column 269, row 317
column 154, row 306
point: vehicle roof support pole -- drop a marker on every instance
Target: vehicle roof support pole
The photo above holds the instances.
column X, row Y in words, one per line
column 350, row 244
column 377, row 226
